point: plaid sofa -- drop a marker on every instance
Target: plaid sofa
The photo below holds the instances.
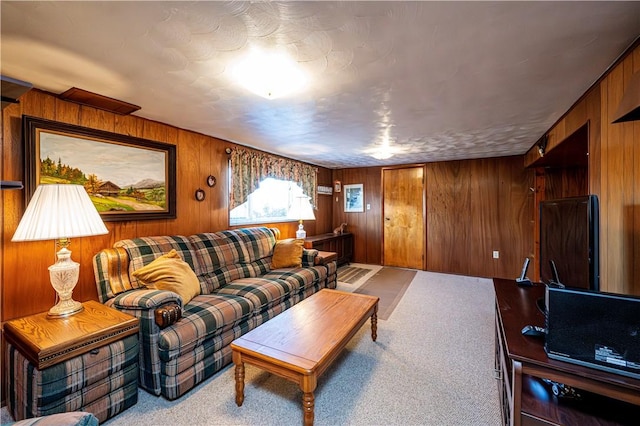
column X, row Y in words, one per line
column 239, row 291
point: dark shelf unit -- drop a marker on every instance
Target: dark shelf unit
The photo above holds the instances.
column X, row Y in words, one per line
column 521, row 365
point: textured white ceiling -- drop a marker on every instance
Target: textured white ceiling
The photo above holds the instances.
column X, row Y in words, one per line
column 444, row 80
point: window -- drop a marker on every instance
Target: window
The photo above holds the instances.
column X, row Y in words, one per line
column 271, row 202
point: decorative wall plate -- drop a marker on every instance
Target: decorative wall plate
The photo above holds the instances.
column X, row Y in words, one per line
column 211, row 181
column 200, row 195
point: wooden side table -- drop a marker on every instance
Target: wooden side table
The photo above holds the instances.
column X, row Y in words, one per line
column 87, row 362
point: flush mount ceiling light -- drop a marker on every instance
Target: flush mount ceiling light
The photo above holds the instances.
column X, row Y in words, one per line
column 269, row 74
column 382, row 153
column 385, row 150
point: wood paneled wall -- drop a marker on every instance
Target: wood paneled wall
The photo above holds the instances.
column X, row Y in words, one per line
column 366, row 226
column 613, row 172
column 563, row 183
column 619, row 186
column 25, row 288
column 473, row 208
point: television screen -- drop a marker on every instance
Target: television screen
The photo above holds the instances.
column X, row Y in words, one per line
column 569, row 229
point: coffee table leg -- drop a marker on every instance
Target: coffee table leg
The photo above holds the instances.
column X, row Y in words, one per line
column 374, row 323
column 308, row 385
column 239, row 383
column 308, row 404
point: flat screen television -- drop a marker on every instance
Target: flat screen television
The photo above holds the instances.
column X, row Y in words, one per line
column 569, row 239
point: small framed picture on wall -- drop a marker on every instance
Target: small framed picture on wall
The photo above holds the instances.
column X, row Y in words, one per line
column 337, row 186
column 354, row 198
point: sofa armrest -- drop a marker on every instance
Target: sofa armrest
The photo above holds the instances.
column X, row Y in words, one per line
column 143, row 305
column 111, row 268
column 309, row 257
column 325, row 257
column 145, row 299
column 166, row 305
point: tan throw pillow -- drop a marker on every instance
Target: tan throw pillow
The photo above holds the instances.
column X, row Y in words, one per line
column 170, row 272
column 287, row 254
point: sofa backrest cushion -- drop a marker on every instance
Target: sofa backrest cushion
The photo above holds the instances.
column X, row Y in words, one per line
column 145, row 250
column 231, row 254
column 217, row 249
column 259, row 242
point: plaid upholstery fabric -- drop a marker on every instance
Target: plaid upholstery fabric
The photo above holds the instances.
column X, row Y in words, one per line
column 114, row 402
column 145, row 299
column 200, row 353
column 141, row 304
column 204, row 317
column 309, row 257
column 74, row 418
column 310, row 291
column 277, row 309
column 300, row 277
column 175, row 386
column 332, row 274
column 259, row 267
column 258, row 241
column 110, row 267
column 263, row 293
column 143, row 251
column 73, row 384
column 79, row 399
column 210, row 282
column 217, row 249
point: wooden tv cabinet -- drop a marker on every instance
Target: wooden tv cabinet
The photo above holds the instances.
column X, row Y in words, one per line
column 521, row 364
column 342, row 244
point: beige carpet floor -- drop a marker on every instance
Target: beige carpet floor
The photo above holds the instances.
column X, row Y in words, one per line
column 432, row 364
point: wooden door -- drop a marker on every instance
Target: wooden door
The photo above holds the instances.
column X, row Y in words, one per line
column 403, row 217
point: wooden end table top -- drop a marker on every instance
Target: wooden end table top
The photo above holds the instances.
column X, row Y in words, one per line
column 300, row 343
column 46, row 341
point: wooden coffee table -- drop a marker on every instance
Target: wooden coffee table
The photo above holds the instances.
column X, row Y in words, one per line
column 300, row 343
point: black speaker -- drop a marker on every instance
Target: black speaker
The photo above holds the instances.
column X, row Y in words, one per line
column 594, row 329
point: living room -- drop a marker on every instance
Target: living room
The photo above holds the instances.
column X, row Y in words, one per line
column 473, row 206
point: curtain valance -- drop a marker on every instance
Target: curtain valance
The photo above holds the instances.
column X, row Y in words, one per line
column 249, row 168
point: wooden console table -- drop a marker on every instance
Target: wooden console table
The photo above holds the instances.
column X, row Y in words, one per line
column 521, row 363
column 342, row 244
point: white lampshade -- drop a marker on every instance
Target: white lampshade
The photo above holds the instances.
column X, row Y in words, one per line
column 301, row 209
column 59, row 211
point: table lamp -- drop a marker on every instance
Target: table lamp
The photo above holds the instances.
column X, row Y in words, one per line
column 61, row 212
column 301, row 209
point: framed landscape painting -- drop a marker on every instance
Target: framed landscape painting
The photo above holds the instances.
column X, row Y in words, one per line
column 127, row 178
